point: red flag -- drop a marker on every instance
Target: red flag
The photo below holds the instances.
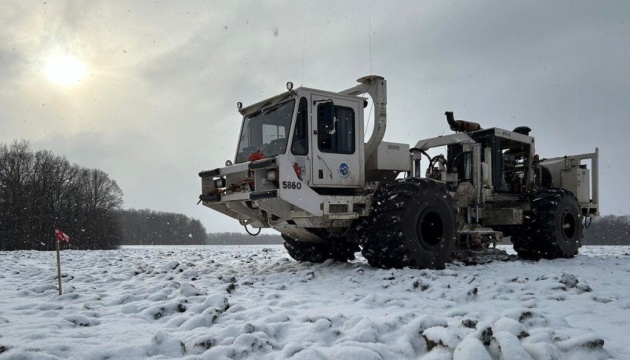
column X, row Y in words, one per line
column 61, row 236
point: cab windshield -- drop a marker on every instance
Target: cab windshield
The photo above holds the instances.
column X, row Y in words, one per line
column 266, row 131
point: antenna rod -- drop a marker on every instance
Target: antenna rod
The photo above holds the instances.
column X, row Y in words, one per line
column 303, row 50
column 370, row 36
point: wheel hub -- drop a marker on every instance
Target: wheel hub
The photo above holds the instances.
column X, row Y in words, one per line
column 568, row 225
column 430, row 228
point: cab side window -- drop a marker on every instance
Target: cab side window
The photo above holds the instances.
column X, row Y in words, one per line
column 335, row 129
column 299, row 145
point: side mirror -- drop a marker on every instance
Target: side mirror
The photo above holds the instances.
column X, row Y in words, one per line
column 328, row 110
column 326, row 118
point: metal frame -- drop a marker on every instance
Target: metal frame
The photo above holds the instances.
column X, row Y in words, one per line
column 268, row 204
column 592, row 209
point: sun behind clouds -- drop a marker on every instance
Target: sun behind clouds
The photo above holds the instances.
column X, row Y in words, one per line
column 65, row 70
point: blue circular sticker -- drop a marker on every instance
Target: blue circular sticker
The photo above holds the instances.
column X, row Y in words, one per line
column 344, row 170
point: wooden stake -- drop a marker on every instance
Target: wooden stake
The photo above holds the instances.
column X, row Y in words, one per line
column 58, row 266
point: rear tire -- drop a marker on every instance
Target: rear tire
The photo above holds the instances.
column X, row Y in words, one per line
column 412, row 224
column 553, row 227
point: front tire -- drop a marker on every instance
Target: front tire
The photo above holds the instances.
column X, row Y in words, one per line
column 553, row 228
column 412, row 224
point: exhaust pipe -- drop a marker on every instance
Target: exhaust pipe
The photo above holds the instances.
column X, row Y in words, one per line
column 461, row 125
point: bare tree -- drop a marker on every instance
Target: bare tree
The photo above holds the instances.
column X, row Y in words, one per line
column 15, row 173
column 40, row 190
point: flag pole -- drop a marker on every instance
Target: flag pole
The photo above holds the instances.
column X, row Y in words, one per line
column 58, row 265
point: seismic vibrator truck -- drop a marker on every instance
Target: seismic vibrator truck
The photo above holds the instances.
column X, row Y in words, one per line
column 303, row 168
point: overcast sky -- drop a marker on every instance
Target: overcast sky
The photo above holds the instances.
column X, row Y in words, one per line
column 158, row 102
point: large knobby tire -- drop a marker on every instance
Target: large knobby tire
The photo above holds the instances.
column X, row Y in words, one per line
column 553, row 227
column 412, row 224
column 318, row 252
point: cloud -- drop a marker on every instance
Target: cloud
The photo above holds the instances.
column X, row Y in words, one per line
column 9, row 65
column 159, row 104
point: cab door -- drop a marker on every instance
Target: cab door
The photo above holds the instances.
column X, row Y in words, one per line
column 336, row 142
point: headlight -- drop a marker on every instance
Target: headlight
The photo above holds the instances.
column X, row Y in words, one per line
column 219, row 183
column 272, row 175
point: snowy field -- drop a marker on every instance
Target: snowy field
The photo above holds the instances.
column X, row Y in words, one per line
column 254, row 302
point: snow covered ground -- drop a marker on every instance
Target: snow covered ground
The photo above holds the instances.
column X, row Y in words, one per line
column 254, row 302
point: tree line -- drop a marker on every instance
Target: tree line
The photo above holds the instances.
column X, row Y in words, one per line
column 40, row 190
column 608, row 230
column 148, row 227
